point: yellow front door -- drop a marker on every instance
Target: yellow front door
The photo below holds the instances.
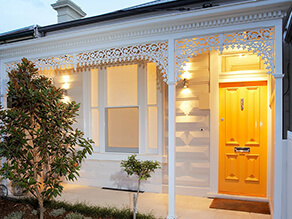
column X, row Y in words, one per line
column 243, row 138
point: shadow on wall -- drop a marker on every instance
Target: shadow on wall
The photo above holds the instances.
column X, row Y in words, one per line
column 122, row 181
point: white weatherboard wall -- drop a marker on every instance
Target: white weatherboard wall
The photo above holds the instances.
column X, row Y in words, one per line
column 108, row 173
column 192, row 131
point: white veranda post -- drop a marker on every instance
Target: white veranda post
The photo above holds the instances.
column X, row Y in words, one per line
column 171, row 81
column 278, row 150
column 171, row 150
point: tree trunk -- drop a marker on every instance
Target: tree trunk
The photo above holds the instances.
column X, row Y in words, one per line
column 134, row 206
column 38, row 192
column 135, row 199
column 42, row 209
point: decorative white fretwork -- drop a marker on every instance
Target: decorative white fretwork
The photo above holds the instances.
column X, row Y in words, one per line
column 153, row 52
column 56, row 62
column 260, row 41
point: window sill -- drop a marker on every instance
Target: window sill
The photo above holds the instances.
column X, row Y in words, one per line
column 111, row 156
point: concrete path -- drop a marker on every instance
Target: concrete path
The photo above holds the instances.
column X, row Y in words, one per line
column 187, row 207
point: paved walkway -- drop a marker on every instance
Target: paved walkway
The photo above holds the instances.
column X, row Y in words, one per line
column 187, row 207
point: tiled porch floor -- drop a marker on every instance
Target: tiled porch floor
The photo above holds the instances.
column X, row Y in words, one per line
column 187, row 207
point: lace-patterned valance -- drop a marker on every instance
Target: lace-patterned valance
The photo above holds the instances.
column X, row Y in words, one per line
column 259, row 41
column 153, row 52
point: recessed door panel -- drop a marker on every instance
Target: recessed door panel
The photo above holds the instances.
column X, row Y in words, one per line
column 231, row 115
column 232, row 167
column 243, row 138
column 253, row 117
column 253, row 168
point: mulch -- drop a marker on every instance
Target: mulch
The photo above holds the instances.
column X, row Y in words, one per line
column 7, row 206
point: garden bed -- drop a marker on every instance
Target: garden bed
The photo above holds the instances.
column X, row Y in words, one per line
column 28, row 208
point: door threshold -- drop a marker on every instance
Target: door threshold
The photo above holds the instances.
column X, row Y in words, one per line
column 237, row 197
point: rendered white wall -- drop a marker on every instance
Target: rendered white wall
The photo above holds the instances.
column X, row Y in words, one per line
column 75, row 90
column 108, row 173
column 192, row 131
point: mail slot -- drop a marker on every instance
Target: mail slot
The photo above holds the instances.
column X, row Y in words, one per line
column 242, row 149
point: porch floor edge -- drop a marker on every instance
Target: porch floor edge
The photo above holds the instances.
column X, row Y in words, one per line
column 237, row 197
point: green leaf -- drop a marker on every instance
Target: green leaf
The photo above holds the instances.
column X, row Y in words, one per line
column 29, row 155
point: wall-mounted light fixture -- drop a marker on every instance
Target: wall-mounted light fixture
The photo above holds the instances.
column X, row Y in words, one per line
column 65, row 87
column 186, row 77
column 185, row 83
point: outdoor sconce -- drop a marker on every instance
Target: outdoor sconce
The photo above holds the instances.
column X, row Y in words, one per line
column 186, row 107
column 65, row 88
column 186, row 77
column 185, row 83
column 65, row 85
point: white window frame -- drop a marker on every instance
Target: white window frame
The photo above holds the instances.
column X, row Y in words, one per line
column 142, row 105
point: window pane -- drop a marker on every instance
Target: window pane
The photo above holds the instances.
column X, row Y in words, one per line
column 122, row 85
column 152, row 127
column 94, row 88
column 95, row 126
column 123, row 127
column 151, row 83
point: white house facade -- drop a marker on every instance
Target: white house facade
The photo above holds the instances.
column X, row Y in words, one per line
column 195, row 86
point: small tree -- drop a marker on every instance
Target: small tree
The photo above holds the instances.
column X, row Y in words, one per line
column 38, row 140
column 142, row 170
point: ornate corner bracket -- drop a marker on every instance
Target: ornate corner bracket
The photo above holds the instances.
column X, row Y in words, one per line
column 259, row 41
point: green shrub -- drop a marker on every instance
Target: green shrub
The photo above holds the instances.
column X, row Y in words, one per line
column 57, row 212
column 89, row 211
column 75, row 215
column 14, row 215
column 34, row 212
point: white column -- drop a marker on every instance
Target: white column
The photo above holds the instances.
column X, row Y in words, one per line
column 87, row 122
column 171, row 150
column 215, row 65
column 278, row 150
column 102, row 100
column 171, row 129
